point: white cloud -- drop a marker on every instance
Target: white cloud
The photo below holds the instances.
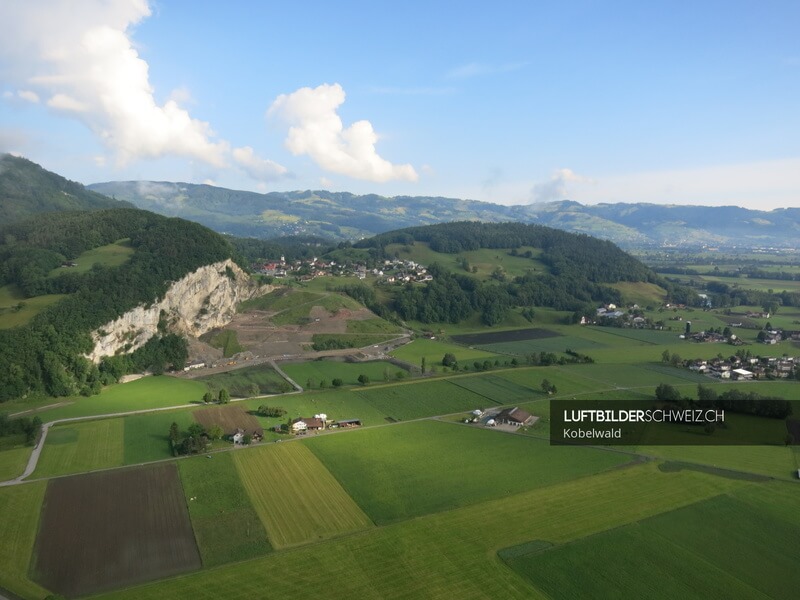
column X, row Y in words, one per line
column 80, row 57
column 258, row 168
column 29, row 95
column 325, row 182
column 556, row 187
column 317, row 130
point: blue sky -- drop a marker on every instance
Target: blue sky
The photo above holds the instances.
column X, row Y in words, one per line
column 510, row 102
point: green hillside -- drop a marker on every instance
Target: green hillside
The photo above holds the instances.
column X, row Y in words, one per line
column 27, row 189
column 124, row 257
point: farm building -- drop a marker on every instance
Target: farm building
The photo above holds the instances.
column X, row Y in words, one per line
column 741, row 374
column 347, row 423
column 307, row 424
column 515, row 416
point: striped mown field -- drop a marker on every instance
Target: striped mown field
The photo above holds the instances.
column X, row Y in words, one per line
column 295, row 496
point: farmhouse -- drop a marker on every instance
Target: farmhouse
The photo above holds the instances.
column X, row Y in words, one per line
column 302, row 424
column 742, row 374
column 515, row 416
column 346, row 423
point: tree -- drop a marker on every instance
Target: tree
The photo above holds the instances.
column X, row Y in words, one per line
column 547, row 387
column 667, row 393
column 215, row 432
column 208, row 397
column 246, row 439
column 174, row 433
column 665, row 356
column 196, row 430
column 323, row 384
column 253, row 390
column 224, row 396
column 449, row 359
column 363, row 379
column 422, row 365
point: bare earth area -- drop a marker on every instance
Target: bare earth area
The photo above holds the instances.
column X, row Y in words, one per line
column 113, row 529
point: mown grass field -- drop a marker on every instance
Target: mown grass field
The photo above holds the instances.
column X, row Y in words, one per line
column 20, row 506
column 421, row 399
column 16, row 309
column 146, row 437
column 674, row 555
column 299, row 313
column 434, row 556
column 143, row 394
column 295, row 496
column 557, row 344
column 110, row 255
column 406, row 471
column 14, row 455
column 240, row 382
column 434, row 351
column 337, row 404
column 349, row 340
column 497, row 389
column 80, row 447
column 226, row 526
column 328, row 370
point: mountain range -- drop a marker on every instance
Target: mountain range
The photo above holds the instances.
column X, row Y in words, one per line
column 341, row 215
column 27, row 189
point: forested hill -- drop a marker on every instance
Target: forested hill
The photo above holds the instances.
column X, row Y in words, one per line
column 595, row 260
column 45, row 354
column 27, row 189
column 580, row 272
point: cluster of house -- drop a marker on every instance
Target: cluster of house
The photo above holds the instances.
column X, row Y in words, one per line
column 392, row 271
column 739, row 369
column 710, row 337
column 239, row 435
column 609, row 312
column 774, row 336
column 319, row 422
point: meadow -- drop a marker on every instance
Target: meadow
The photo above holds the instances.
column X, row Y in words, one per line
column 400, row 472
column 433, row 556
column 749, row 555
column 278, row 300
column 110, row 255
column 421, row 399
column 18, row 536
column 295, row 496
column 242, row 383
column 225, row 524
column 317, row 371
column 16, row 309
column 225, row 340
column 81, row 447
column 434, row 350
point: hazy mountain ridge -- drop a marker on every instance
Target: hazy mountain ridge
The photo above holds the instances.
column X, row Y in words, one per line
column 27, row 189
column 342, row 215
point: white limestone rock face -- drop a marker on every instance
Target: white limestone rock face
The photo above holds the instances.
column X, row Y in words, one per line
column 200, row 302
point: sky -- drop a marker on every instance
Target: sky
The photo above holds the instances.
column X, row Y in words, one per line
column 510, row 102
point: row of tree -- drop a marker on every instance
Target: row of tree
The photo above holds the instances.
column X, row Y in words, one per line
column 734, row 401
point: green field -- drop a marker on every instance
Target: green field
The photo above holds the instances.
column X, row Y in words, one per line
column 349, row 340
column 16, row 309
column 280, row 299
column 485, row 260
column 110, row 255
column 421, row 399
column 377, row 325
column 225, row 340
column 295, row 496
column 300, row 313
column 551, row 344
column 643, row 294
column 20, row 506
column 143, row 394
column 226, row 526
column 240, row 381
column 434, row 351
column 13, row 461
column 720, row 547
column 348, row 372
column 410, row 470
column 497, row 389
column 449, row 554
column 146, row 436
column 81, row 447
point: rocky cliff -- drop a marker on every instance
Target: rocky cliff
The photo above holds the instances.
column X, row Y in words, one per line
column 199, row 302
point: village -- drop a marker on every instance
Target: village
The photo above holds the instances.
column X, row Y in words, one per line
column 745, row 368
column 393, row 271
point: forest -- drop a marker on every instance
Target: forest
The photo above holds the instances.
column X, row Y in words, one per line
column 581, row 267
column 46, row 355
